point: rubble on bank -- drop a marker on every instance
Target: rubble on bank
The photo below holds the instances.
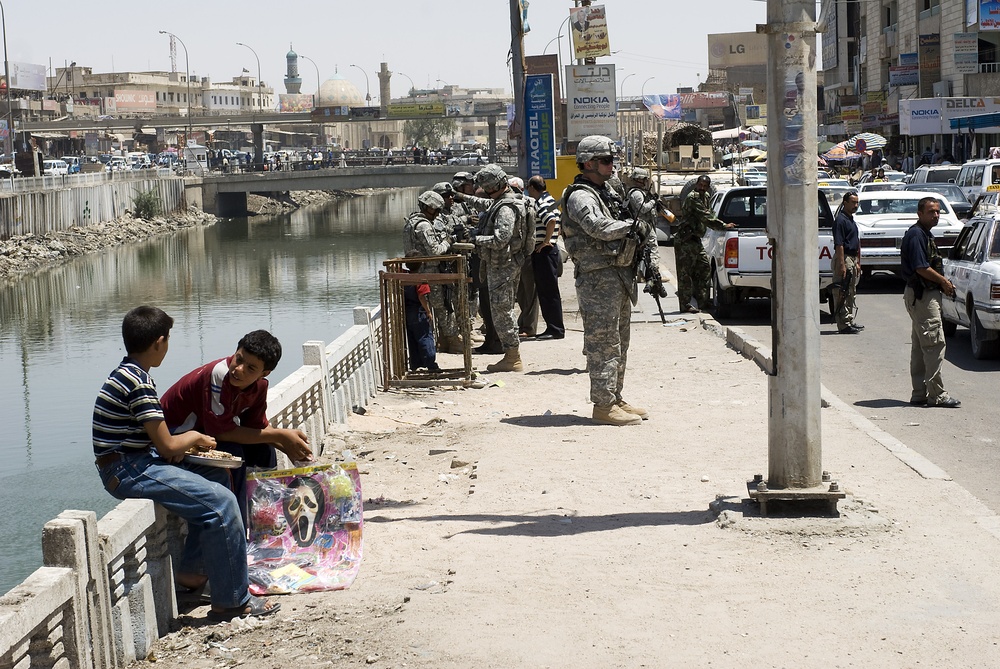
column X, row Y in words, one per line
column 25, row 253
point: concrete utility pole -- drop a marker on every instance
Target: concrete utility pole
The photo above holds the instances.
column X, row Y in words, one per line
column 794, row 444
column 517, row 64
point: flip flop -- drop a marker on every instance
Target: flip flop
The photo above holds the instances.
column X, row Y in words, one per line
column 255, row 607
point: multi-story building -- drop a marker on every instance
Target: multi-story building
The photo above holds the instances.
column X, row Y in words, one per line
column 905, row 68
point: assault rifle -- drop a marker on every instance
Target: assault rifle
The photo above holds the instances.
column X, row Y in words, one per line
column 843, row 286
column 654, row 282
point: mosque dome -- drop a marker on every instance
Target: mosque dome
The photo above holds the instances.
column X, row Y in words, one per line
column 338, row 91
column 291, row 55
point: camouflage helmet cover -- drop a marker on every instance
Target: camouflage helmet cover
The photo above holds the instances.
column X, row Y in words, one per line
column 464, row 177
column 640, row 174
column 491, row 178
column 443, row 188
column 594, row 146
column 431, row 200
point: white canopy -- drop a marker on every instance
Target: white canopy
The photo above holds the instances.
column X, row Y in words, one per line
column 732, row 133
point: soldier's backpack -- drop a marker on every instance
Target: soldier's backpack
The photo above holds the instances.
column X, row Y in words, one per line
column 522, row 241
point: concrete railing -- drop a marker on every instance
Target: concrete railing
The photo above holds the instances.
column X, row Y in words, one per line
column 106, row 591
column 82, row 203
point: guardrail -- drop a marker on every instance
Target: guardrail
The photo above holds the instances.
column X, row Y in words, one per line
column 34, row 184
column 106, row 591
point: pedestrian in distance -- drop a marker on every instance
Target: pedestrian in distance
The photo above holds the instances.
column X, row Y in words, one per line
column 921, row 268
column 604, row 250
column 846, row 266
column 693, row 268
column 227, row 400
column 545, row 260
column 138, row 458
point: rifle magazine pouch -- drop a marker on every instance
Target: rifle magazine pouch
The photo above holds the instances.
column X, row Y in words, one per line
column 623, row 251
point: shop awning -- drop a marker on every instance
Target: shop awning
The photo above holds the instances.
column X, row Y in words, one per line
column 49, row 135
column 975, row 122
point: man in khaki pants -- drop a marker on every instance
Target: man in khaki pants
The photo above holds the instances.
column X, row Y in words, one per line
column 921, row 268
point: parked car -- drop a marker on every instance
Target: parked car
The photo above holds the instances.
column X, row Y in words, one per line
column 73, row 162
column 876, row 186
column 976, row 177
column 116, row 164
column 54, row 167
column 468, row 159
column 951, row 192
column 890, row 175
column 884, row 217
column 934, row 174
column 7, row 170
column 740, row 258
column 835, row 192
column 973, row 265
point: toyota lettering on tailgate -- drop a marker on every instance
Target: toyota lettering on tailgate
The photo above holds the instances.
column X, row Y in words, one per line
column 824, row 252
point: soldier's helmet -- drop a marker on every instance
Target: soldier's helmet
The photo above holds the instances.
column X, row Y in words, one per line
column 491, row 178
column 431, row 200
column 640, row 174
column 594, row 146
column 463, row 177
column 443, row 188
column 516, row 183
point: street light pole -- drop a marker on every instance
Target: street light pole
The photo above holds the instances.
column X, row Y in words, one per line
column 10, row 109
column 187, row 74
column 643, row 93
column 412, row 86
column 621, row 94
column 315, row 97
column 260, row 101
column 368, row 91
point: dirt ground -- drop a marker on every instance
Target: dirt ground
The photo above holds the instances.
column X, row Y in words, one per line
column 503, row 529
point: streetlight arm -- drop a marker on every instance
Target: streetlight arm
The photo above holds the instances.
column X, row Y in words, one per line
column 413, row 86
column 260, row 100
column 368, row 90
column 187, row 74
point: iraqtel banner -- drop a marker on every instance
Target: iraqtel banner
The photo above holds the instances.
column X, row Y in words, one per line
column 590, row 101
column 540, row 125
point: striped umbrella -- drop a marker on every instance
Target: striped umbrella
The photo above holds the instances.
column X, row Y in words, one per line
column 872, row 141
column 838, row 152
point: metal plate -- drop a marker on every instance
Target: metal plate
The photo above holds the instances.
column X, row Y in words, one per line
column 225, row 463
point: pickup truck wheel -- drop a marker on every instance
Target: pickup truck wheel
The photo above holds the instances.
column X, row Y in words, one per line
column 981, row 348
column 722, row 300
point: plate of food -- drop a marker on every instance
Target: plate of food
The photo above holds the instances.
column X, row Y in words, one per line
column 213, row 459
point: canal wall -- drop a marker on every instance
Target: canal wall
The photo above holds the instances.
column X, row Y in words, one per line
column 51, row 204
column 105, row 591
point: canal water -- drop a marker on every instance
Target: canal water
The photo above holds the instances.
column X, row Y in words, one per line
column 298, row 275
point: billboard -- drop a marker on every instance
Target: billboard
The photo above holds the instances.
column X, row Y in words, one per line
column 288, row 102
column 589, row 27
column 929, row 53
column 737, row 49
column 664, row 106
column 590, row 101
column 540, row 125
column 416, row 109
column 966, row 53
column 27, row 76
column 989, row 15
column 129, row 100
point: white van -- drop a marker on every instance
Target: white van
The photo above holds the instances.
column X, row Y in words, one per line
column 55, row 167
column 978, row 176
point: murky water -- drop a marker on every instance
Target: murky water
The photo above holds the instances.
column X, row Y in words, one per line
column 298, row 275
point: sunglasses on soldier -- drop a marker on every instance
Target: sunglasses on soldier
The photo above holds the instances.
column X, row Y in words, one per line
column 605, row 160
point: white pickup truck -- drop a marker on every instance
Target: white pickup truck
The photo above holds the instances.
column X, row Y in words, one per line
column 741, row 258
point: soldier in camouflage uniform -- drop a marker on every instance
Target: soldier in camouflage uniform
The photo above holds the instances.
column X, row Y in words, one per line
column 492, row 240
column 693, row 268
column 604, row 249
column 641, row 204
column 422, row 236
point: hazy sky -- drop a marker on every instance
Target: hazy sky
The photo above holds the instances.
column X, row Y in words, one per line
column 461, row 42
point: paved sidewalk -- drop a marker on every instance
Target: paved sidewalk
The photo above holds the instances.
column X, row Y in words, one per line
column 504, row 529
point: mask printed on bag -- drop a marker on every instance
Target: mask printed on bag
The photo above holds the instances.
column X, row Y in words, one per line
column 303, row 506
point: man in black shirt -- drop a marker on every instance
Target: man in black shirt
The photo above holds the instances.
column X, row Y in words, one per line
column 846, row 266
column 921, row 268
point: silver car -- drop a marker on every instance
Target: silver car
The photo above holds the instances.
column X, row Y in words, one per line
column 973, row 265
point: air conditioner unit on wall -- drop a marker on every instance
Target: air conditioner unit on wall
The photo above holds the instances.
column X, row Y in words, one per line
column 942, row 89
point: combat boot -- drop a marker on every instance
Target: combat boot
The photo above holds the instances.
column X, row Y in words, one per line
column 451, row 344
column 613, row 415
column 511, row 362
column 635, row 411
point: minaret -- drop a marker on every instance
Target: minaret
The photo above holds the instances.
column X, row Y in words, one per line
column 384, row 75
column 293, row 82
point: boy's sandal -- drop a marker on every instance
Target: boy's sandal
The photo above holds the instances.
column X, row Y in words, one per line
column 255, row 607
